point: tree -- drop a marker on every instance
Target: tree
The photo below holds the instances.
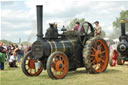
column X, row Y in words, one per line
column 26, row 43
column 116, row 23
column 6, row 42
column 103, row 34
column 73, row 22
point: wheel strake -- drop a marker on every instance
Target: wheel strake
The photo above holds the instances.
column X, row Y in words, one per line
column 96, row 55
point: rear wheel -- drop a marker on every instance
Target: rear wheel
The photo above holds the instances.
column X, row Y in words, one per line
column 96, row 55
column 28, row 65
column 57, row 65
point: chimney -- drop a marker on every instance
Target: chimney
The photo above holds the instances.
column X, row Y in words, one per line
column 123, row 21
column 39, row 22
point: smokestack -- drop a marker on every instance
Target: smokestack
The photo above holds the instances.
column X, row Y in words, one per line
column 123, row 21
column 39, row 22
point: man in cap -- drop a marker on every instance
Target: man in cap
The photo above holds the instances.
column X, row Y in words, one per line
column 97, row 28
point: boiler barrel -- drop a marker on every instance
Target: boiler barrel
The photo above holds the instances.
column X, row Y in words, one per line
column 45, row 48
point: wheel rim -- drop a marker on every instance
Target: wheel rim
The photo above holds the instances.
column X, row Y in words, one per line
column 99, row 56
column 59, row 66
column 30, row 66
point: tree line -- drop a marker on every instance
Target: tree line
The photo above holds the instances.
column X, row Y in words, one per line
column 116, row 24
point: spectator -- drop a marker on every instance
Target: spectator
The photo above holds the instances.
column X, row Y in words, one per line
column 22, row 50
column 8, row 51
column 2, row 56
column 17, row 51
column 12, row 60
column 12, row 48
column 25, row 49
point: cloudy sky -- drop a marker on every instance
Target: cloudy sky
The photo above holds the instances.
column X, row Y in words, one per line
column 18, row 17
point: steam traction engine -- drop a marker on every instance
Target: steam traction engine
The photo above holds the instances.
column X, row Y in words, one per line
column 120, row 55
column 123, row 45
column 60, row 53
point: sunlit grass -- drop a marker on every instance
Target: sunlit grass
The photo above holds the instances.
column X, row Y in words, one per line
column 112, row 76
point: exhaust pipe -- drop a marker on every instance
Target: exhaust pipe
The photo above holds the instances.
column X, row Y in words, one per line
column 39, row 22
column 123, row 21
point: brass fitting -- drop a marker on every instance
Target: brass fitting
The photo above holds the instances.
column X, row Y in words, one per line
column 123, row 21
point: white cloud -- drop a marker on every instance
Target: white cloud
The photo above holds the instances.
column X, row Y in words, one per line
column 15, row 26
column 6, row 34
column 27, row 32
column 15, row 14
column 23, row 20
column 105, row 12
column 122, row 8
column 108, row 29
column 55, row 6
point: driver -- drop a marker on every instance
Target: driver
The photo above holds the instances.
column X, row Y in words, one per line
column 97, row 28
column 76, row 28
column 52, row 31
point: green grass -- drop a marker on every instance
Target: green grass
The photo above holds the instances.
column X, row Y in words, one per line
column 112, row 76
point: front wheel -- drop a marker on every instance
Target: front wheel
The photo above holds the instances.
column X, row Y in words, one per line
column 28, row 65
column 57, row 65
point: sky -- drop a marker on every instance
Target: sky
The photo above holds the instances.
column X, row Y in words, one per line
column 18, row 17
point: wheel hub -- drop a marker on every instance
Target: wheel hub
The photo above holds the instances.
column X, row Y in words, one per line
column 97, row 56
column 31, row 64
column 59, row 65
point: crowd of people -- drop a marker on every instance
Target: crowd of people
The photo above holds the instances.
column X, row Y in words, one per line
column 11, row 54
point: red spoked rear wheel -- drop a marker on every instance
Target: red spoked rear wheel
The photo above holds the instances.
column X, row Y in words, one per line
column 96, row 55
column 99, row 56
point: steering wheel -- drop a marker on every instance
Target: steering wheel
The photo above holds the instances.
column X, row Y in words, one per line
column 83, row 36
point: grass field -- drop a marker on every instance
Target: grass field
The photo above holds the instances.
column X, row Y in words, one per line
column 112, row 76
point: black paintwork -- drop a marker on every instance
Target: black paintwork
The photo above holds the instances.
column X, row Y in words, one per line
column 68, row 43
column 123, row 45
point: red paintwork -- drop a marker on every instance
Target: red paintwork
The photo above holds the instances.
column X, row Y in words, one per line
column 114, row 58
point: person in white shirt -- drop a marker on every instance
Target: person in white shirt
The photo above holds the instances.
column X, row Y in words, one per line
column 97, row 28
column 12, row 60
